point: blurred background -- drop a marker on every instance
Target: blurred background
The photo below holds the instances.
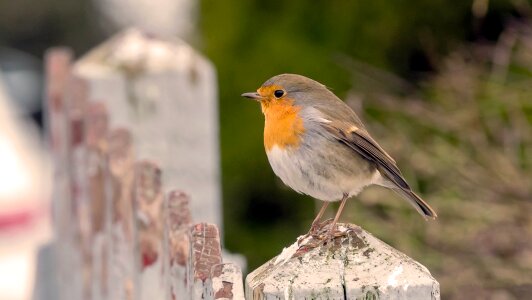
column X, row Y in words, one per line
column 445, row 87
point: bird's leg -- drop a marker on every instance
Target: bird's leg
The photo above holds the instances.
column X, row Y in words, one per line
column 338, row 213
column 316, row 223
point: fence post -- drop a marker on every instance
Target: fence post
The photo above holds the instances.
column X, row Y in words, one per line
column 78, row 235
column 58, row 64
column 96, row 170
column 176, row 243
column 123, row 280
column 356, row 265
column 225, row 282
column 114, row 239
column 149, row 216
column 166, row 94
column 205, row 252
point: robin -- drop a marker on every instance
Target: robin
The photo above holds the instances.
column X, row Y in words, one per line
column 319, row 147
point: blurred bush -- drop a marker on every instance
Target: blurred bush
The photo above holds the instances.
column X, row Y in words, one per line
column 464, row 138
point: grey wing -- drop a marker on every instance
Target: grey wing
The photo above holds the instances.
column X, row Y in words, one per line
column 345, row 126
column 348, row 129
column 361, row 142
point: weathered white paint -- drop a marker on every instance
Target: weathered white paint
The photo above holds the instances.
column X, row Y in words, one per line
column 286, row 254
column 171, row 17
column 165, row 93
column 225, row 283
column 356, row 265
column 392, row 279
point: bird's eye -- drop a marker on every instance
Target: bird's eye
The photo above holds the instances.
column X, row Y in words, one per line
column 278, row 93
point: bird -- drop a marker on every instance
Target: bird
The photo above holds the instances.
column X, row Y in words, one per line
column 318, row 146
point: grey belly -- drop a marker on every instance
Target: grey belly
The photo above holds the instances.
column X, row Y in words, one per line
column 323, row 168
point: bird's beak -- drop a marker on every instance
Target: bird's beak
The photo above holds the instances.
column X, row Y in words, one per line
column 254, row 96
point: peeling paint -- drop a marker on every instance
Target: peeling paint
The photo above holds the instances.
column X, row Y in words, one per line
column 392, row 279
column 355, row 265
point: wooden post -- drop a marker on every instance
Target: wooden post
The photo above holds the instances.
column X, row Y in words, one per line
column 149, row 215
column 57, row 65
column 355, row 265
column 137, row 96
column 225, row 282
column 78, row 235
column 97, row 239
column 176, row 245
column 123, row 261
column 166, row 94
column 205, row 252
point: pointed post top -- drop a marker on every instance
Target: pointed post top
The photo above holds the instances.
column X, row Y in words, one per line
column 354, row 265
column 135, row 51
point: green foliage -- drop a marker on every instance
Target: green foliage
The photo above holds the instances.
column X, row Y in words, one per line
column 461, row 134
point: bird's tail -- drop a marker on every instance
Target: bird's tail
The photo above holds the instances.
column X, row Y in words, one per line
column 421, row 206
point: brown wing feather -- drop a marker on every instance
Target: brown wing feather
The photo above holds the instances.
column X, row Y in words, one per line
column 362, row 143
column 348, row 129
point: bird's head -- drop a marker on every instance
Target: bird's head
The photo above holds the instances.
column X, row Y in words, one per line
column 289, row 90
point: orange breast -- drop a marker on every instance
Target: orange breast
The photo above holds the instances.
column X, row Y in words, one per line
column 283, row 127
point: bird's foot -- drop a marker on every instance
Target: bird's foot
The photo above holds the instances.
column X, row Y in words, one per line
column 328, row 237
column 333, row 233
column 316, row 230
column 317, row 235
column 317, row 227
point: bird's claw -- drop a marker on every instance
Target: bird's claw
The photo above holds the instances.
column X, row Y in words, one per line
column 316, row 227
column 319, row 234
